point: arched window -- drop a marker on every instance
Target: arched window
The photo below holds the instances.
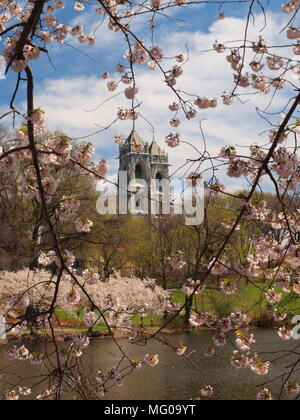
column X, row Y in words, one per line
column 138, row 172
column 159, row 178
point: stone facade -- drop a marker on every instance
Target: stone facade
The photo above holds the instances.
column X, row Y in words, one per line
column 145, row 161
column 142, row 160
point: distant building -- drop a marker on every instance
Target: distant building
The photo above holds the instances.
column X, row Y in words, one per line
column 143, row 161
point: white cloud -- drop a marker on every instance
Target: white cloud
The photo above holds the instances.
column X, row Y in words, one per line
column 66, row 100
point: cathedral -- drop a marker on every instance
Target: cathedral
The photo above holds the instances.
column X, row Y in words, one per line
column 143, row 161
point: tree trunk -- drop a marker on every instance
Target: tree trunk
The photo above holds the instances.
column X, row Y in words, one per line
column 188, row 306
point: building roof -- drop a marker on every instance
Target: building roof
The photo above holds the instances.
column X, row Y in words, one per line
column 155, row 150
column 135, row 138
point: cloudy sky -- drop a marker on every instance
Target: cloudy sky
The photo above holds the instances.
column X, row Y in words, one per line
column 70, row 89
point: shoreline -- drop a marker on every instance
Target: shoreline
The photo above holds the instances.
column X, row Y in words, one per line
column 65, row 336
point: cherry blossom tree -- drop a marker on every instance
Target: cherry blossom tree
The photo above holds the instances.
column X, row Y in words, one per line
column 259, row 69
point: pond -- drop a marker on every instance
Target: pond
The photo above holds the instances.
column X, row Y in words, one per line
column 175, row 378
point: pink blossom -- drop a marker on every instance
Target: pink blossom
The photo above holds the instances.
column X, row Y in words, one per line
column 180, row 58
column 228, row 99
column 156, row 4
column 47, row 258
column 50, row 21
column 238, row 360
column 46, row 37
column 152, row 65
column 259, row 367
column 120, row 68
column 81, row 341
column 127, row 80
column 83, row 225
column 239, row 320
column 244, row 340
column 178, row 262
column 79, row 7
column 218, row 267
column 293, row 33
column 21, row 353
column 261, row 83
column 31, row 52
column 296, row 288
column 91, row 319
column 152, row 359
column 196, row 321
column 181, row 350
column 297, row 49
column 174, row 107
column 130, row 92
column 48, row 395
column 118, row 139
column 279, row 317
column 285, row 333
column 264, row 395
column 204, row 103
column 292, row 388
column 73, row 297
column 228, row 152
column 279, row 83
column 175, row 122
column 259, row 47
column 242, row 80
column 173, row 140
column 191, row 113
column 76, row 30
column 220, row 48
column 193, row 286
column 137, row 364
column 228, row 288
column 59, row 4
column 275, row 62
column 256, row 66
column 90, row 277
column 290, row 7
column 156, row 53
column 69, row 207
column 219, row 340
column 90, row 39
column 234, row 57
column 176, row 71
column 83, row 152
column 171, row 81
column 101, row 169
column 112, row 85
column 207, row 391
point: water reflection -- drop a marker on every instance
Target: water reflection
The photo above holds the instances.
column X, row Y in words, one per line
column 175, row 378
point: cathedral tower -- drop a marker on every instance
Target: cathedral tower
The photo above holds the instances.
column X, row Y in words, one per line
column 142, row 160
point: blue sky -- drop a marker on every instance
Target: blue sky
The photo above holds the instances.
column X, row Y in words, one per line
column 72, row 63
column 74, row 86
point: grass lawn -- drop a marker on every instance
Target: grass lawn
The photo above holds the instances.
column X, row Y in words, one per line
column 78, row 317
column 249, row 297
